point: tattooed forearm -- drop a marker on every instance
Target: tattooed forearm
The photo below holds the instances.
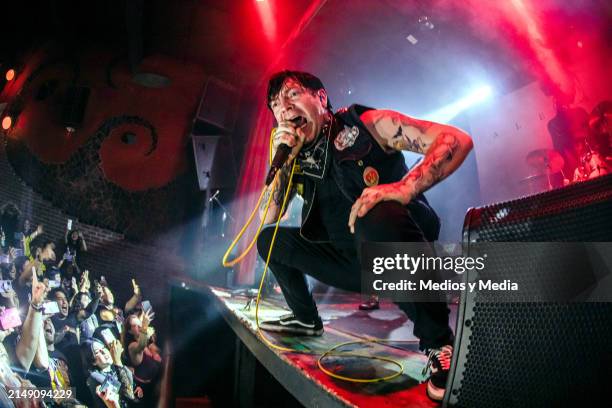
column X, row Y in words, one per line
column 283, row 182
column 264, row 201
column 439, row 162
column 277, row 196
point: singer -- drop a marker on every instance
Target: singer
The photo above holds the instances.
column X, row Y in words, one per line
column 356, row 187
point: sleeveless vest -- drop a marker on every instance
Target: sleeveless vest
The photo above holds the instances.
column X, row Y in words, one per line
column 353, row 149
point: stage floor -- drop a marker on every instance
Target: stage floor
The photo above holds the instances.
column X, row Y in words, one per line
column 343, row 322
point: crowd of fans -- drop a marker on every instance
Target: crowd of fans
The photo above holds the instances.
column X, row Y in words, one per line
column 63, row 340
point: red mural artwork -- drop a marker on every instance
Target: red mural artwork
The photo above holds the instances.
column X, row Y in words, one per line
column 124, row 167
column 123, row 153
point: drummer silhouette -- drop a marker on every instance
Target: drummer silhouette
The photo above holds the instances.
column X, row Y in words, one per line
column 600, row 123
column 569, row 130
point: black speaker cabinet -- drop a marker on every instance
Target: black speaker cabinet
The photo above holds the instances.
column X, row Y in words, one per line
column 535, row 354
column 205, row 150
column 218, row 109
column 214, row 161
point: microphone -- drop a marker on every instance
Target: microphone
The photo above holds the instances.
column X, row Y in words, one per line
column 282, row 153
column 281, row 156
column 213, row 196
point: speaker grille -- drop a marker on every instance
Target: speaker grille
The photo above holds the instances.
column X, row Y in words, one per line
column 540, row 355
column 536, row 354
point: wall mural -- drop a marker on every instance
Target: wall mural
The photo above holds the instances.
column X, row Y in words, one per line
column 128, row 167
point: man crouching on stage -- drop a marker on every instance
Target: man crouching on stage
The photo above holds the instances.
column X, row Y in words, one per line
column 356, row 188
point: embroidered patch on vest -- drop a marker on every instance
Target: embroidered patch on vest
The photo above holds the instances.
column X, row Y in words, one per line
column 370, row 176
column 346, row 137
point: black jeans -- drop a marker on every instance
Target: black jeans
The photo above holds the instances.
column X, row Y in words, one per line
column 294, row 256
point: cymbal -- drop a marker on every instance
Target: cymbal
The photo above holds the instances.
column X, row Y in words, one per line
column 600, row 114
column 546, row 160
column 533, row 177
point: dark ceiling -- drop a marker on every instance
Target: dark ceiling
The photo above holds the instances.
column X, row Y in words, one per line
column 356, row 46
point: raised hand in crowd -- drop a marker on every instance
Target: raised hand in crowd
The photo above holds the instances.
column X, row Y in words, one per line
column 32, row 326
column 136, row 288
column 135, row 299
column 39, row 290
column 12, row 300
column 116, row 350
column 139, row 327
column 146, row 317
column 85, row 283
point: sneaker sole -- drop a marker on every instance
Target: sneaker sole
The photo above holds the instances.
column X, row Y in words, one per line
column 368, row 307
column 286, row 329
column 435, row 393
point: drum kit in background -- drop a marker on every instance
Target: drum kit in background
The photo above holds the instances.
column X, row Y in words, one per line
column 548, row 163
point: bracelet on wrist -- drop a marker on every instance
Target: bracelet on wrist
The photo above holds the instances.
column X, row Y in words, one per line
column 35, row 307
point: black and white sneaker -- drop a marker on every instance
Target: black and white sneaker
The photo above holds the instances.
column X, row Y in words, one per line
column 439, row 363
column 290, row 324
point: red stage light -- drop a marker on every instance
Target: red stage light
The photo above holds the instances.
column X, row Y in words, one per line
column 267, row 20
column 10, row 74
column 7, row 122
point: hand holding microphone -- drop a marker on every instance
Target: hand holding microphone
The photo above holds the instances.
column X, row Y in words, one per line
column 287, row 141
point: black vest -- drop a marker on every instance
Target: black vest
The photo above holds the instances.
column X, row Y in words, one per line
column 353, row 149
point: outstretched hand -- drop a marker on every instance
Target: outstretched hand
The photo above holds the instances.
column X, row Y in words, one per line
column 400, row 191
column 146, row 317
column 39, row 290
column 116, row 349
column 136, row 288
column 85, row 283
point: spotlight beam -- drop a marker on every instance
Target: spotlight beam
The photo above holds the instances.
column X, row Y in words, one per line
column 448, row 112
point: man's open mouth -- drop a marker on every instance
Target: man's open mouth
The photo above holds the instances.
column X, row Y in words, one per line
column 299, row 121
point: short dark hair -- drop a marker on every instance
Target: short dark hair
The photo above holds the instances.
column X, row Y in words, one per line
column 53, row 291
column 40, row 242
column 305, row 79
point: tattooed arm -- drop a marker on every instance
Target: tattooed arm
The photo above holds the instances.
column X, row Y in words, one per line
column 444, row 147
column 277, row 197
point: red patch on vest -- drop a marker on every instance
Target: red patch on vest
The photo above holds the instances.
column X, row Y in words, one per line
column 370, row 176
